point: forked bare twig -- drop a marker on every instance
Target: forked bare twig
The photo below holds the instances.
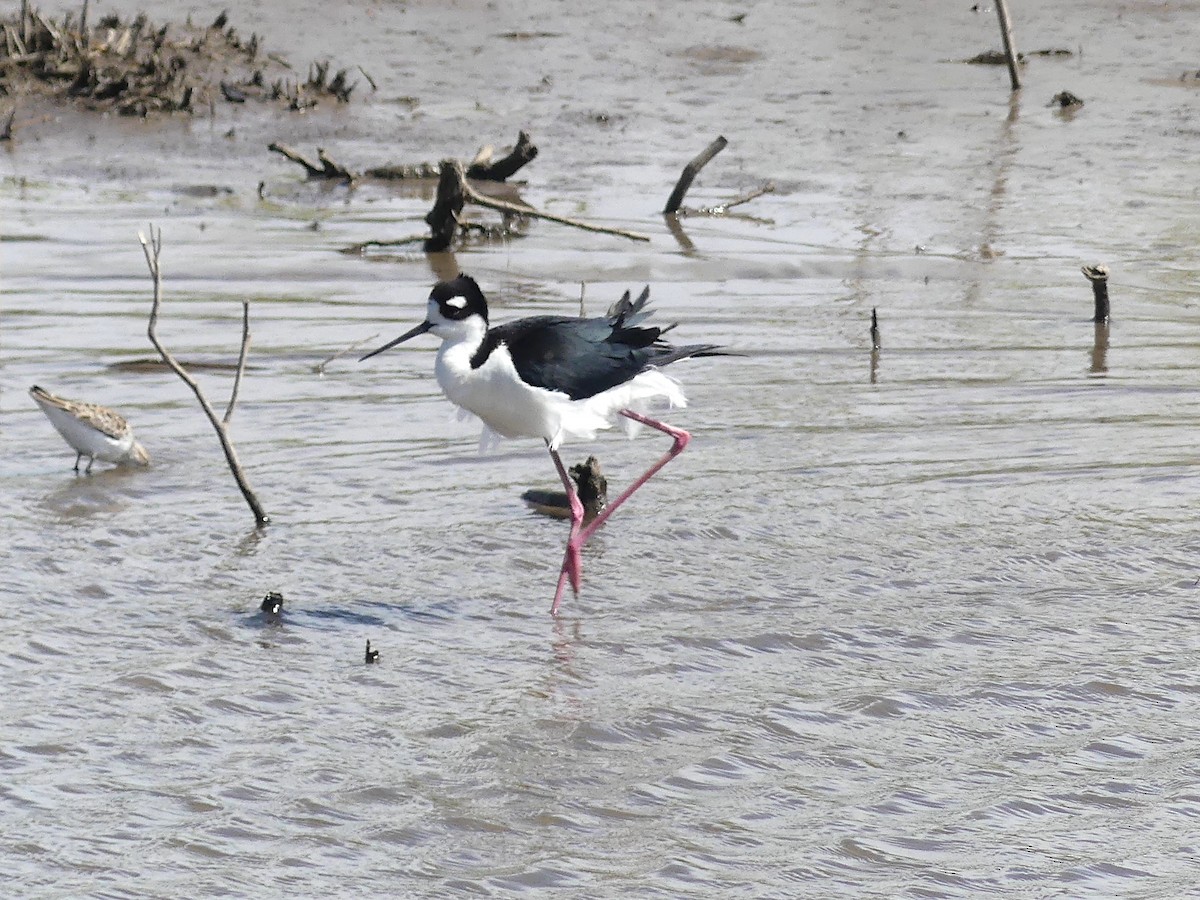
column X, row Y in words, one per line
column 152, row 247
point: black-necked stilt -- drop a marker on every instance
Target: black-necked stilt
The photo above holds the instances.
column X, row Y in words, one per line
column 92, row 430
column 555, row 377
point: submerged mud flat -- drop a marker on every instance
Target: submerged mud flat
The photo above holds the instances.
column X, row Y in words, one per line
column 912, row 622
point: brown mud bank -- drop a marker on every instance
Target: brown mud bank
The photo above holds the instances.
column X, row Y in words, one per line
column 139, row 68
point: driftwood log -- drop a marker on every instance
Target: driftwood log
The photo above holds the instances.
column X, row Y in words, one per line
column 482, row 168
column 445, row 223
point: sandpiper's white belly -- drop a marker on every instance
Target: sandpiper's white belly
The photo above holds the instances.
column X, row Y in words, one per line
column 85, row 439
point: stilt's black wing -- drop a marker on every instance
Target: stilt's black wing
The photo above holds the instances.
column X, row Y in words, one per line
column 583, row 357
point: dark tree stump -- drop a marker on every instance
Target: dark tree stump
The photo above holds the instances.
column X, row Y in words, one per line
column 443, row 218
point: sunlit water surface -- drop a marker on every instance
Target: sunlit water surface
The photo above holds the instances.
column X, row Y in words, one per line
column 913, row 623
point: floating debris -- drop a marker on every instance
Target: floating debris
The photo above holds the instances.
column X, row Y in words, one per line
column 1065, row 100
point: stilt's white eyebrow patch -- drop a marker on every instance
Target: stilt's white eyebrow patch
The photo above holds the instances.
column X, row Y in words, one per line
column 457, row 302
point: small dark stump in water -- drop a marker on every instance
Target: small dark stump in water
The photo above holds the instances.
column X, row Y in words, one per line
column 875, row 344
column 272, row 604
column 589, row 482
column 447, row 205
column 1098, row 276
column 371, row 656
column 1065, row 100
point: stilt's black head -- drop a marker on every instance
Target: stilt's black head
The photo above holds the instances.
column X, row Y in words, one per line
column 459, row 298
column 451, row 304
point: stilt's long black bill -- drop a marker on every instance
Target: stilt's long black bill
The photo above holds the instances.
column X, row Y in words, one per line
column 420, row 329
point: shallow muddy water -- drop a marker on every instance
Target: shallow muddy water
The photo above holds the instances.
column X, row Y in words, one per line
column 914, row 623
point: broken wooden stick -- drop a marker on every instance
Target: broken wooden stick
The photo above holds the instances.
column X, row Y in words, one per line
column 721, row 209
column 327, row 168
column 520, row 209
column 1010, row 51
column 152, row 247
column 482, row 168
column 690, row 171
column 1098, row 276
column 319, row 368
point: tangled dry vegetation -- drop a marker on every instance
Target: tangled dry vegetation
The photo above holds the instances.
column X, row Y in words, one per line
column 137, row 68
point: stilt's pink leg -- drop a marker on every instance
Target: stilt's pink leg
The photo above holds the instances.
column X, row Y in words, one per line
column 681, row 441
column 572, row 563
column 572, row 560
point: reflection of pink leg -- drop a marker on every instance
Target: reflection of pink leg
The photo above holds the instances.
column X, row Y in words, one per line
column 572, row 567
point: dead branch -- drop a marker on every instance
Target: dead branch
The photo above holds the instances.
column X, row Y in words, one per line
column 690, row 171
column 1010, row 50
column 403, row 172
column 358, row 249
column 482, row 168
column 445, row 221
column 516, row 209
column 152, row 248
column 319, row 368
column 721, row 208
column 327, row 168
column 241, row 364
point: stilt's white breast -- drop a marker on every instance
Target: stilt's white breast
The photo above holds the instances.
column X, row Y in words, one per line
column 496, row 393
